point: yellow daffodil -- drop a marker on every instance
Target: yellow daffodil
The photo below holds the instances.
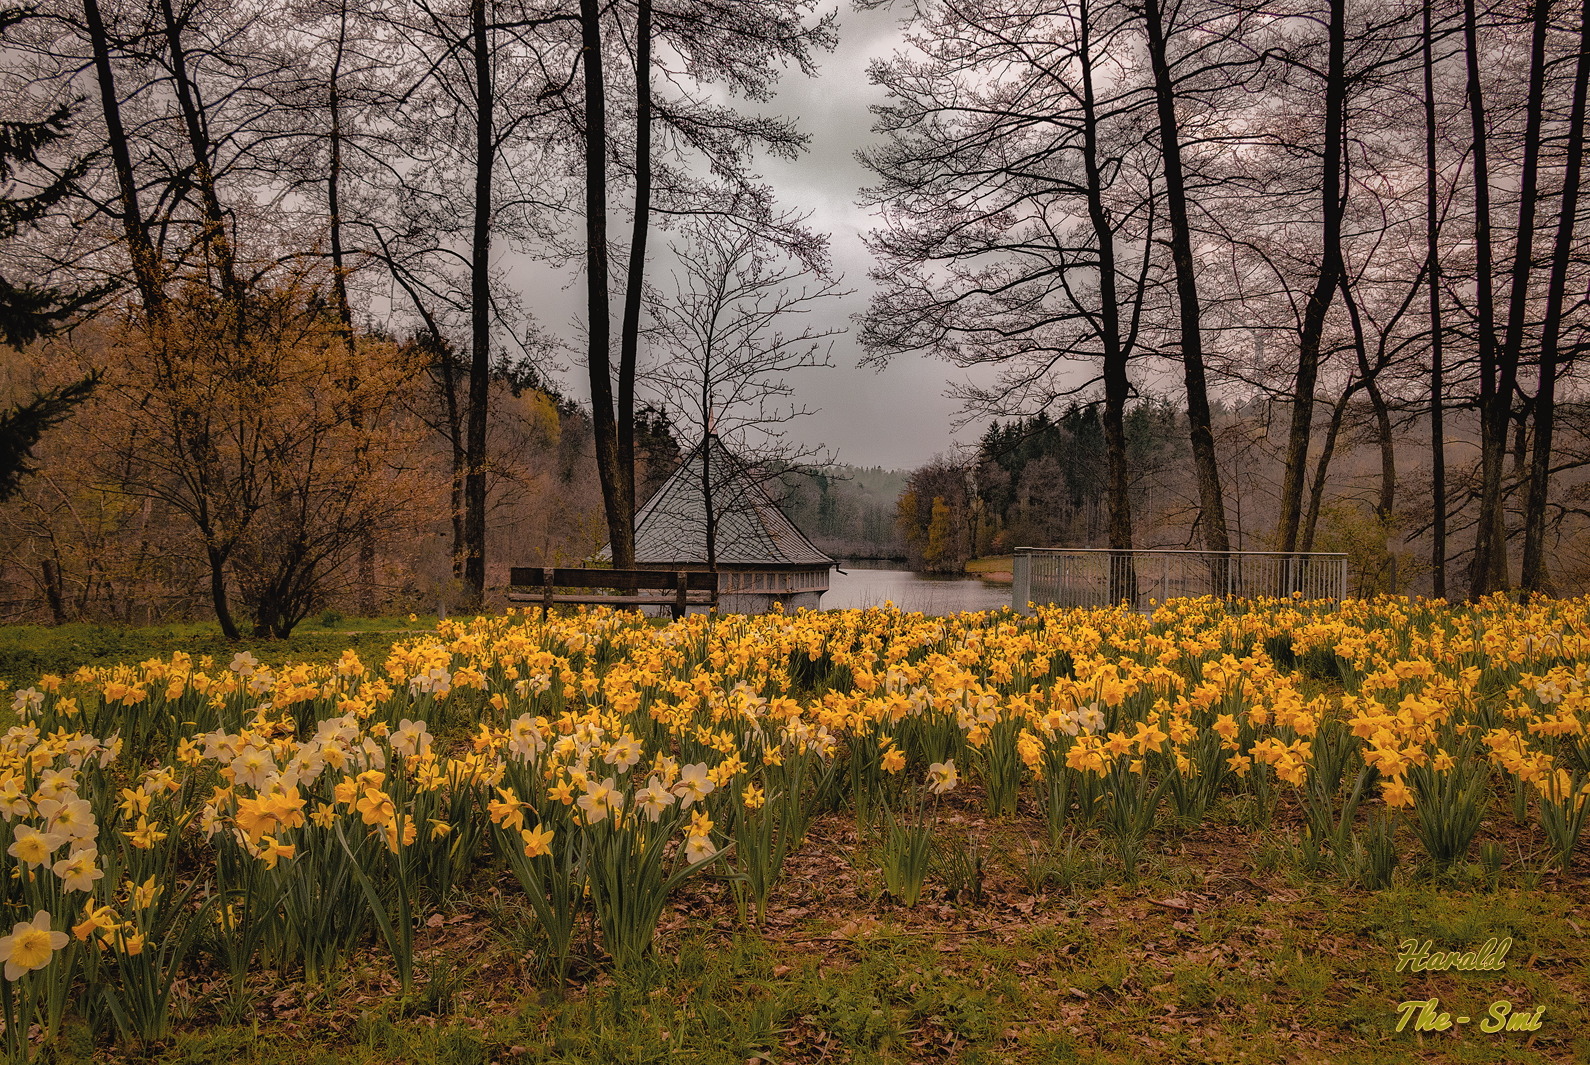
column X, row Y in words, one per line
column 30, row 945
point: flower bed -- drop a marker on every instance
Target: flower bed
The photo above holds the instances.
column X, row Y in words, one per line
column 186, row 817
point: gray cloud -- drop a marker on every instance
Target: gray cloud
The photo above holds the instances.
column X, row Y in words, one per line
column 898, row 417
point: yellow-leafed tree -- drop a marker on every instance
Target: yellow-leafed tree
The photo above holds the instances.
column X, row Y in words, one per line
column 279, row 443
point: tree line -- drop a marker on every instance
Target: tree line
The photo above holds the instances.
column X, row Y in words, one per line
column 1359, row 222
column 1042, row 481
column 281, row 232
column 1323, row 230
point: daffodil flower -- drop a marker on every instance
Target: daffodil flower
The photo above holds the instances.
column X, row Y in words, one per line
column 537, row 841
column 78, row 872
column 30, row 945
column 694, row 784
column 942, row 777
column 599, row 800
column 32, row 847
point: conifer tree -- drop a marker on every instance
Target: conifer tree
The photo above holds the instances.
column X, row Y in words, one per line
column 29, row 311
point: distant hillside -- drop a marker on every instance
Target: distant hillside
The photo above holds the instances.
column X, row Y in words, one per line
column 848, row 511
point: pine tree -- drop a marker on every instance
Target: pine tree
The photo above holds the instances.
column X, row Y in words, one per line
column 21, row 428
column 28, row 311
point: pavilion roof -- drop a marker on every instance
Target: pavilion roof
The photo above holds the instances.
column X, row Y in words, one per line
column 670, row 529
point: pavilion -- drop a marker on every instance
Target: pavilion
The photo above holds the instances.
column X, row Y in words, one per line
column 761, row 557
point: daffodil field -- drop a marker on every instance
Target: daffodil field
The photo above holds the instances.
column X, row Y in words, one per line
column 187, row 818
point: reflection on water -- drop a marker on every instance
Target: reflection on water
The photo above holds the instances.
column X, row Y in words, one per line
column 861, row 585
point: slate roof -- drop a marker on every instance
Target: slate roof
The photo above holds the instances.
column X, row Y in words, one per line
column 751, row 531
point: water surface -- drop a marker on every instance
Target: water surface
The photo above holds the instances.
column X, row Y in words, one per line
column 865, row 584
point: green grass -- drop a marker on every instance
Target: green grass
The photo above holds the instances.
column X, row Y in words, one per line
column 30, row 651
column 995, row 566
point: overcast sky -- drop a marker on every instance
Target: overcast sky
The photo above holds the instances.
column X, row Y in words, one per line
column 896, row 418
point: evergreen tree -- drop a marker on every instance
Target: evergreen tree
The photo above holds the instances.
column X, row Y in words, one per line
column 28, row 311
column 21, row 428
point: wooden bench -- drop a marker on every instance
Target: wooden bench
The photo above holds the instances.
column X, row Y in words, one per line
column 646, row 587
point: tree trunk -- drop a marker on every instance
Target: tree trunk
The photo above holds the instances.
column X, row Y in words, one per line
column 1201, row 430
column 1488, row 568
column 455, row 446
column 1332, row 204
column 339, row 279
column 1322, row 466
column 223, row 611
column 1520, row 424
column 479, row 318
column 1492, row 509
column 1117, row 387
column 50, row 571
column 339, row 266
column 1534, row 575
column 1433, row 276
column 145, row 263
column 635, row 283
column 709, row 502
column 620, row 522
column 1377, row 404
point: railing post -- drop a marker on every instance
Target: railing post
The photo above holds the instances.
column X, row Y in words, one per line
column 1021, row 580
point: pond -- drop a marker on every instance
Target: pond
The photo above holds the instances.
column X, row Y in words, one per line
column 864, row 584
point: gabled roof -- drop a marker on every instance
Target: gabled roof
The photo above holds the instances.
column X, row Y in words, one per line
column 671, row 528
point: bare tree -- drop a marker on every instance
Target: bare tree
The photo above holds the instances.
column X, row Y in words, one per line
column 735, row 326
column 1189, row 311
column 1534, row 568
column 1020, row 210
column 1432, row 273
column 1331, row 276
column 740, row 47
column 140, row 251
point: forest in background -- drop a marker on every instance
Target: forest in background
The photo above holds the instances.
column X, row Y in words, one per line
column 1345, row 241
column 1042, row 482
column 258, row 257
column 849, row 512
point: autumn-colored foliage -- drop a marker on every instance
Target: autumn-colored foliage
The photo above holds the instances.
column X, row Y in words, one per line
column 261, row 464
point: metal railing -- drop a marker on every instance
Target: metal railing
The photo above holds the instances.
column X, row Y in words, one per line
column 1099, row 576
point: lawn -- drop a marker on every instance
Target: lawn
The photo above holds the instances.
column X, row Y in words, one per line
column 995, row 568
column 1205, row 959
column 30, row 651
